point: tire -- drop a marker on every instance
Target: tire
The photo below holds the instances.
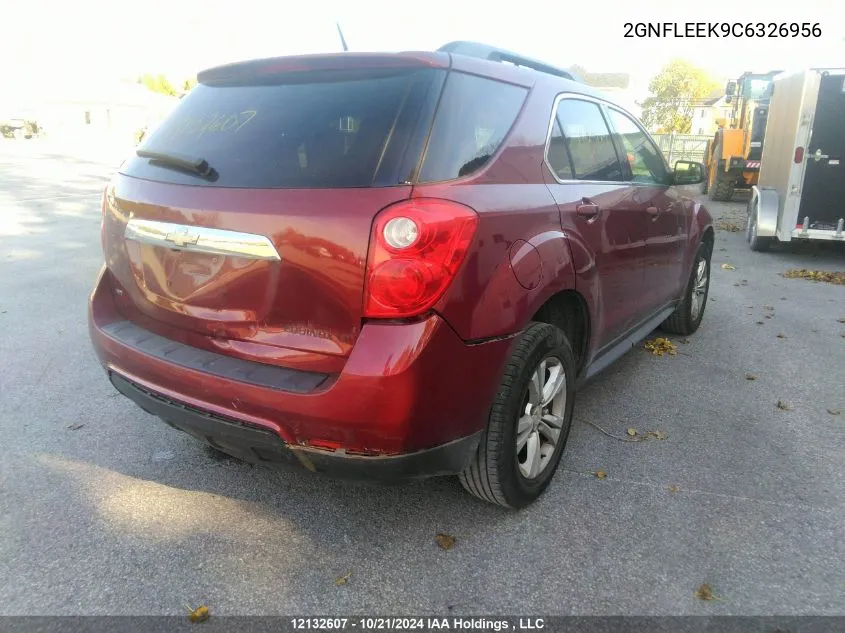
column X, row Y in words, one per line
column 495, row 473
column 723, row 190
column 687, row 316
column 755, row 242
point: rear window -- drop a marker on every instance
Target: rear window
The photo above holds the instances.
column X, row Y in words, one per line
column 474, row 117
column 321, row 129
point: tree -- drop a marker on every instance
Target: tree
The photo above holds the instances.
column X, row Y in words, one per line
column 157, row 83
column 675, row 91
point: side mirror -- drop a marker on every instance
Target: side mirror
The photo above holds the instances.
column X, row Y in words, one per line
column 688, row 172
column 730, row 89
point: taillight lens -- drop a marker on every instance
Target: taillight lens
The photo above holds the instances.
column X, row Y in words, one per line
column 416, row 249
column 799, row 154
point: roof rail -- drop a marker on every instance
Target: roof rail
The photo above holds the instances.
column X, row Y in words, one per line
column 475, row 49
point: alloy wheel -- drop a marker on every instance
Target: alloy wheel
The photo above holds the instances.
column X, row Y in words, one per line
column 541, row 422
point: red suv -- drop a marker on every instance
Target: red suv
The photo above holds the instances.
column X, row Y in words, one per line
column 392, row 265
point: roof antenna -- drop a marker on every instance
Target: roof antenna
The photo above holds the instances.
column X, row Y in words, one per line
column 342, row 39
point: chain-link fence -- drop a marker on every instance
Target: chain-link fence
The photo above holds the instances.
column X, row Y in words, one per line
column 682, row 146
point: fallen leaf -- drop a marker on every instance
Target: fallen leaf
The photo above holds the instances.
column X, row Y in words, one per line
column 445, row 541
column 834, row 411
column 834, row 277
column 768, row 316
column 600, row 474
column 781, row 335
column 759, row 322
column 784, row 406
column 749, row 376
column 704, row 592
column 684, row 341
column 200, row 614
column 674, row 488
column 632, row 432
column 660, row 346
column 723, row 249
column 342, row 580
column 768, row 307
column 75, row 427
column 736, row 284
column 728, row 267
column 783, row 298
column 841, row 320
column 658, row 435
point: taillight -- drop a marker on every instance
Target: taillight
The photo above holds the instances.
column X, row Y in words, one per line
column 416, row 249
column 799, row 155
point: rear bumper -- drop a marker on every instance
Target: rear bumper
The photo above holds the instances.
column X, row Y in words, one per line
column 410, row 400
column 261, row 446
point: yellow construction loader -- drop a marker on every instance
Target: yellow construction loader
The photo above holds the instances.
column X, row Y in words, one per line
column 732, row 157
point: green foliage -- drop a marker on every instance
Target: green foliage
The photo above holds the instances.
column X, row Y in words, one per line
column 675, row 90
column 161, row 84
column 157, row 83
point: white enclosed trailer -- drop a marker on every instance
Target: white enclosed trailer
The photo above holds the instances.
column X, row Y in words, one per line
column 801, row 190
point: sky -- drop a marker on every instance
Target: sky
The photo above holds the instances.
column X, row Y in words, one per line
column 55, row 44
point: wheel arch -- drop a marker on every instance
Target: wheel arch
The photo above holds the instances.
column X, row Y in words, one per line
column 569, row 311
column 764, row 202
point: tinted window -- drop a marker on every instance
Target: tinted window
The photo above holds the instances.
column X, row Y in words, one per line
column 588, row 140
column 559, row 158
column 310, row 130
column 645, row 160
column 474, row 116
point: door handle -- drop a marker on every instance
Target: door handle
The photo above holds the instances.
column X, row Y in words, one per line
column 588, row 211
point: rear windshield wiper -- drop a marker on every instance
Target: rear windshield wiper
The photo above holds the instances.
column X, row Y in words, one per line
column 198, row 166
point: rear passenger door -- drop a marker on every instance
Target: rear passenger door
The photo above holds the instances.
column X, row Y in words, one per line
column 660, row 208
column 606, row 237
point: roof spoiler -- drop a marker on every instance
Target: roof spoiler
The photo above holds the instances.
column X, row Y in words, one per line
column 483, row 51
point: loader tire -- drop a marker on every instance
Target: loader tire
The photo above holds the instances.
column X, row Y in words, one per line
column 723, row 191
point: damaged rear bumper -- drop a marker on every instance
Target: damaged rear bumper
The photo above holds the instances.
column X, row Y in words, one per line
column 258, row 445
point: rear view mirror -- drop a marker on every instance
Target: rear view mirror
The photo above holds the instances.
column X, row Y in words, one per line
column 730, row 89
column 688, row 172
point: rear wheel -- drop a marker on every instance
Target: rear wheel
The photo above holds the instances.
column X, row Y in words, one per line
column 529, row 421
column 687, row 316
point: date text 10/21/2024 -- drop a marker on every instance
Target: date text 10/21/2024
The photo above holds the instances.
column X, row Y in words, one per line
column 418, row 624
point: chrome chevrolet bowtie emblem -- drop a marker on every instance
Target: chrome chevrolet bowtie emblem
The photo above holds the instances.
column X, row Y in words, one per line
column 182, row 237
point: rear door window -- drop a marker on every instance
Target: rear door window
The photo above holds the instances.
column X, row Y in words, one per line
column 588, row 140
column 320, row 129
column 558, row 155
column 644, row 159
column 474, row 117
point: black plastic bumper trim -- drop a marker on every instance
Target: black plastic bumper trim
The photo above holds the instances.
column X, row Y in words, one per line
column 259, row 445
column 238, row 369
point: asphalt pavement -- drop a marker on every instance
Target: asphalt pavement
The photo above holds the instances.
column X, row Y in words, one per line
column 105, row 510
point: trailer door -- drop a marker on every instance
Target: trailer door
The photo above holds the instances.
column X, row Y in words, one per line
column 823, row 192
